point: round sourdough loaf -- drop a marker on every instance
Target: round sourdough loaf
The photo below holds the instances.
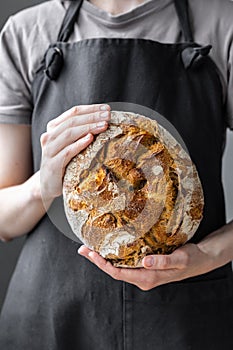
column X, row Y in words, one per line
column 134, row 191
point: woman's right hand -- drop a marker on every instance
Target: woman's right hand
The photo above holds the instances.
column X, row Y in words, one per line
column 66, row 136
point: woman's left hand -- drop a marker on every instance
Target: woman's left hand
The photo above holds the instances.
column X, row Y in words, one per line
column 187, row 261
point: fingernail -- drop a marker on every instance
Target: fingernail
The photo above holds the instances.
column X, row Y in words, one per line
column 87, row 137
column 104, row 107
column 104, row 114
column 101, row 124
column 149, row 261
column 78, row 250
column 51, row 125
column 91, row 255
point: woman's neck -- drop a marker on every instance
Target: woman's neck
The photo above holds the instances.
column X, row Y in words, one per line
column 115, row 7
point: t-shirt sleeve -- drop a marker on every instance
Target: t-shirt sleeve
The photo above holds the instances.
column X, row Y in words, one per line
column 15, row 95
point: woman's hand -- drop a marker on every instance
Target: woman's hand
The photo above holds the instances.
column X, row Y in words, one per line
column 185, row 262
column 190, row 260
column 66, row 136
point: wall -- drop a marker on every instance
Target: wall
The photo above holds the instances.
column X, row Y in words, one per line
column 9, row 252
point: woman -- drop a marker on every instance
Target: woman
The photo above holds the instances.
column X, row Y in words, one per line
column 110, row 51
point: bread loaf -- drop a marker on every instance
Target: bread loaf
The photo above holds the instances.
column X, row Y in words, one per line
column 134, row 191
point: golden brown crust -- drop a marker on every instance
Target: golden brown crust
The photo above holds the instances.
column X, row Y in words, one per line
column 134, row 191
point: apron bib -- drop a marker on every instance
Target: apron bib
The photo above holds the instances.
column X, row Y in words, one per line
column 57, row 300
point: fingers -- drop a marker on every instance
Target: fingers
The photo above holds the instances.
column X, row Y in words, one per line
column 76, row 121
column 72, row 150
column 141, row 278
column 164, row 268
column 56, row 144
column 84, row 251
column 177, row 260
column 95, row 109
column 95, row 258
column 69, row 127
column 62, row 158
column 66, row 136
column 100, row 262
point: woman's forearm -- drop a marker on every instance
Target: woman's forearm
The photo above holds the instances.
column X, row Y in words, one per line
column 219, row 245
column 21, row 208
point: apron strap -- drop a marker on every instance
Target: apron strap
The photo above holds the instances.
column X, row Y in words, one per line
column 183, row 14
column 53, row 60
column 193, row 55
column 69, row 20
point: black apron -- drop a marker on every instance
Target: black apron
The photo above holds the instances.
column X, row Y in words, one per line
column 58, row 300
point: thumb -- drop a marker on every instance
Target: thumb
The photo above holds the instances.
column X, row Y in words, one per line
column 176, row 260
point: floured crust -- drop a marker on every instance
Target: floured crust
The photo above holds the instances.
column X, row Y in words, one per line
column 134, row 191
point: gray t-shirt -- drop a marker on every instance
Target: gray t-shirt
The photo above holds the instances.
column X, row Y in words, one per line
column 26, row 36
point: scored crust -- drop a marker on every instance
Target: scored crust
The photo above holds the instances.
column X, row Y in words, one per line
column 134, row 191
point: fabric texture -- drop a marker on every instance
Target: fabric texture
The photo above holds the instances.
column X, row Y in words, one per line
column 26, row 36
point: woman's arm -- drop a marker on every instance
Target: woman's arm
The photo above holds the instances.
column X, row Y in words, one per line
column 219, row 245
column 20, row 202
column 24, row 197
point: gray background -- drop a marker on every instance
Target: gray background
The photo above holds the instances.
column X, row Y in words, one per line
column 9, row 251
